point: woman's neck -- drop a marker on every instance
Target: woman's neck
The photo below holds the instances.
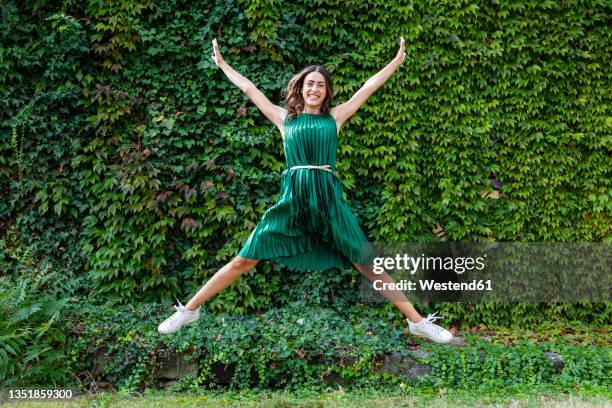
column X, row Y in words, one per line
column 313, row 110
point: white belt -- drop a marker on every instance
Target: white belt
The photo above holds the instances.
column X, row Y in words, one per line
column 325, row 167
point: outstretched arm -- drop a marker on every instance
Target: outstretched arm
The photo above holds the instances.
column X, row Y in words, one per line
column 344, row 111
column 273, row 112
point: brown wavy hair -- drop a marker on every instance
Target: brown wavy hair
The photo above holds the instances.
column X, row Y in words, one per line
column 294, row 101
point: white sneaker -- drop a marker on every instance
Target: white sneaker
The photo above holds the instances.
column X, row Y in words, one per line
column 178, row 319
column 426, row 328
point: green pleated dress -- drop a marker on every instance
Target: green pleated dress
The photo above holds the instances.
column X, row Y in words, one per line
column 311, row 226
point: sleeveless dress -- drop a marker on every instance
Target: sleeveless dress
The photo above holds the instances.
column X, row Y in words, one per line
column 311, row 226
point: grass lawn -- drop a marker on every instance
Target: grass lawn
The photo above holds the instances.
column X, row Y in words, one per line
column 537, row 397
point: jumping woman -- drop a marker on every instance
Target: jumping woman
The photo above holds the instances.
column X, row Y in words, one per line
column 311, row 226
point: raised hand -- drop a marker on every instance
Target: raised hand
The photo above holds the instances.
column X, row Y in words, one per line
column 401, row 54
column 217, row 55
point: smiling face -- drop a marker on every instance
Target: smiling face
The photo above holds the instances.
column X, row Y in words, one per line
column 314, row 91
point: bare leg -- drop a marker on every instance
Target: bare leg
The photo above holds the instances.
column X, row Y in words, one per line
column 396, row 297
column 221, row 280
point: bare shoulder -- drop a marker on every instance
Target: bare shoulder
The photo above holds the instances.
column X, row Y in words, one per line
column 280, row 115
column 335, row 114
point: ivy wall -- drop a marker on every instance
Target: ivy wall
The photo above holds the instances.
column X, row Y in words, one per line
column 130, row 160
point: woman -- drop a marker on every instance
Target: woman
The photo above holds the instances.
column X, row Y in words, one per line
column 311, row 226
